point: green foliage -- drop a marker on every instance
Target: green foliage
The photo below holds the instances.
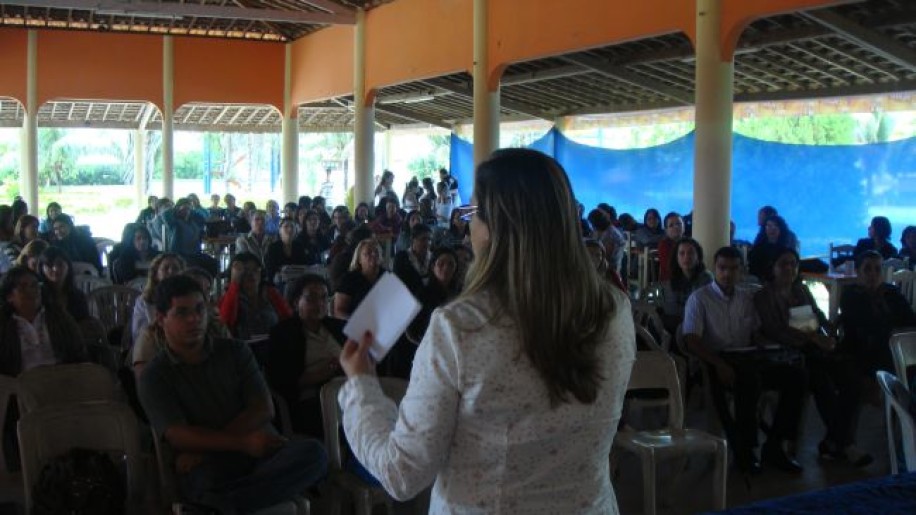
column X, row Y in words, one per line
column 189, row 165
column 56, row 159
column 833, row 129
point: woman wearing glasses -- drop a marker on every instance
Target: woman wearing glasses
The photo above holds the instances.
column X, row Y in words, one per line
column 517, row 386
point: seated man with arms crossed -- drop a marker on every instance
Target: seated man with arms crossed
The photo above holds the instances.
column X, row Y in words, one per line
column 206, row 397
column 720, row 318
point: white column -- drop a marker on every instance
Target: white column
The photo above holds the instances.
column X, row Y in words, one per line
column 140, row 167
column 486, row 102
column 290, row 139
column 712, row 176
column 28, row 181
column 364, row 126
column 168, row 110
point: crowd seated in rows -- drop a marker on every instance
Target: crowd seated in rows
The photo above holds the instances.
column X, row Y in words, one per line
column 879, row 234
column 133, row 255
column 162, row 267
column 251, row 306
column 774, row 235
column 688, row 274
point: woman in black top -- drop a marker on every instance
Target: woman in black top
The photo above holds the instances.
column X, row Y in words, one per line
column 57, row 276
column 136, row 254
column 879, row 235
column 412, row 266
column 78, row 246
column 774, row 236
column 314, row 242
column 288, row 250
column 365, row 271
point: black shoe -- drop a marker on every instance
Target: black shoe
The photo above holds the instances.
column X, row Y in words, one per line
column 774, row 455
column 747, row 462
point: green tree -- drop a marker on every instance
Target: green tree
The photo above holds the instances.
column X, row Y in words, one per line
column 56, row 158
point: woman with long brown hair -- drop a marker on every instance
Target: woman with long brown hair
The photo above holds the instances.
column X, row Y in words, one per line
column 517, row 387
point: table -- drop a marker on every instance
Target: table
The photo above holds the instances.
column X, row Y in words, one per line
column 834, row 281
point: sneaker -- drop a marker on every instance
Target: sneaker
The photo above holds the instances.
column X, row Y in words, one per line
column 857, row 457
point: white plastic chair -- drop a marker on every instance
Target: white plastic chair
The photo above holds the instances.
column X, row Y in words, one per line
column 896, row 402
column 82, row 268
column 364, row 496
column 42, row 387
column 656, row 370
column 110, row 427
column 903, row 349
column 137, row 283
column 906, row 281
column 113, row 305
column 646, row 315
column 87, row 283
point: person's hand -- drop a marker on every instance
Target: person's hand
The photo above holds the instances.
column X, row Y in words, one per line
column 825, row 342
column 355, row 359
column 237, row 272
column 726, row 374
column 260, row 443
column 187, row 461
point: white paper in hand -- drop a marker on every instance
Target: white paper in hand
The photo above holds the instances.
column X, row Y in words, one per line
column 385, row 312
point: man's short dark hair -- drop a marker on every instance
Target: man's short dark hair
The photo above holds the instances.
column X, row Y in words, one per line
column 299, row 284
column 419, row 230
column 175, row 286
column 727, row 253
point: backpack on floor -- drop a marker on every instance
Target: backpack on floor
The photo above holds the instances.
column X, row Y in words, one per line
column 80, row 482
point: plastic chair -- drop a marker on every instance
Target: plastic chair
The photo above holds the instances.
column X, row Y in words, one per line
column 109, row 427
column 88, row 283
column 656, row 370
column 137, row 283
column 646, row 315
column 113, row 305
column 897, row 400
column 903, row 349
column 840, row 254
column 892, row 266
column 364, row 496
column 82, row 268
column 906, row 281
column 53, row 385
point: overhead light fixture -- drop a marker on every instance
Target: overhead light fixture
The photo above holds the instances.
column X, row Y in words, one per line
column 417, row 100
column 130, row 13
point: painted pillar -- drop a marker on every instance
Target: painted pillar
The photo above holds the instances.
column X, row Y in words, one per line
column 364, row 126
column 28, row 181
column 290, row 137
column 140, row 167
column 712, row 176
column 486, row 102
column 168, row 111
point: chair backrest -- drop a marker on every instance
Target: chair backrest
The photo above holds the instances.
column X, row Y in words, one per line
column 394, row 389
column 8, row 390
column 656, row 370
column 652, row 294
column 645, row 337
column 291, row 272
column 892, row 265
column 897, row 401
column 113, row 305
column 87, row 283
column 110, row 427
column 903, row 349
column 841, row 252
column 137, row 283
column 646, row 315
column 81, row 268
column 906, row 281
column 40, row 387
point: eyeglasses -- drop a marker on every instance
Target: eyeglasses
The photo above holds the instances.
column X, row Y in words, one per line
column 467, row 212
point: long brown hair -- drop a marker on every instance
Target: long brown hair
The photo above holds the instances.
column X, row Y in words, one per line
column 539, row 271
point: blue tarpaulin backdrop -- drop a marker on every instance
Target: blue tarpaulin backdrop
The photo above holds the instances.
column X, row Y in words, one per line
column 826, row 193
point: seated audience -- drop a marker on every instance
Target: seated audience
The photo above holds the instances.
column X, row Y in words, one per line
column 871, row 310
column 33, row 332
column 674, row 230
column 339, row 265
column 149, row 212
column 789, row 316
column 205, row 397
column 58, row 286
column 257, row 241
column 609, row 236
column 389, row 222
column 313, row 240
column 412, row 219
column 412, row 266
column 457, row 232
column 77, row 245
column 363, row 213
column 626, row 223
column 774, row 236
column 136, row 255
column 288, row 250
column 272, row 218
column 26, row 231
column 304, row 353
column 162, row 267
column 879, row 235
column 365, row 271
column 47, row 225
column 340, row 219
column 184, row 228
column 596, row 252
column 250, row 306
column 688, row 274
column 719, row 319
column 651, row 231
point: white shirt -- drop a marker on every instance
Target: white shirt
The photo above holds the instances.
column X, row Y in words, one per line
column 721, row 321
column 34, row 341
column 477, row 419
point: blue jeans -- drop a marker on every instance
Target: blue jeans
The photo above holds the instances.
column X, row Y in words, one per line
column 237, row 483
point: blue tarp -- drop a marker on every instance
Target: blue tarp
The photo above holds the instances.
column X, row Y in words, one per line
column 825, row 193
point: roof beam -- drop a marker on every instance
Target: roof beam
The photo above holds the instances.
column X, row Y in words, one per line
column 621, row 73
column 559, row 72
column 509, row 105
column 885, row 46
column 172, row 10
column 409, row 115
column 839, row 91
